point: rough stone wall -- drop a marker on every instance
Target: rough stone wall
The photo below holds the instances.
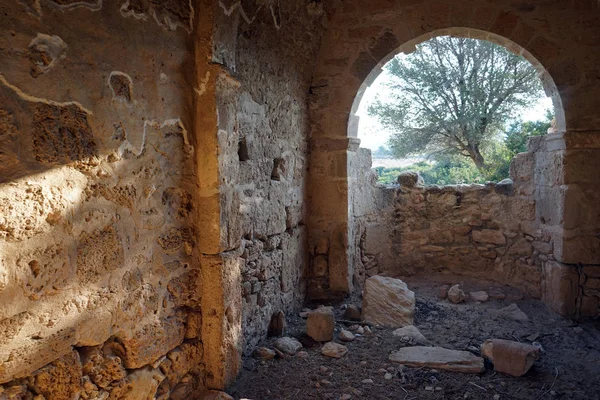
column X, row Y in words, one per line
column 498, row 231
column 484, row 231
column 99, row 269
column 267, row 55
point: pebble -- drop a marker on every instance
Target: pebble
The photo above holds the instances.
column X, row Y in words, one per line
column 388, row 376
column 325, row 382
column 363, row 363
column 367, row 329
column 345, row 396
column 429, row 388
column 382, row 370
column 367, row 381
column 346, row 336
column 302, row 354
column 578, row 329
column 496, row 397
column 323, row 369
column 360, row 330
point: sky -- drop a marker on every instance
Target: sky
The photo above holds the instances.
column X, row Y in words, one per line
column 372, row 135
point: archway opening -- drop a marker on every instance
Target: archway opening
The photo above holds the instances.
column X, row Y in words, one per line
column 456, row 105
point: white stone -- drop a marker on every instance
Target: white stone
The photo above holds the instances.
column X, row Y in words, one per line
column 388, row 302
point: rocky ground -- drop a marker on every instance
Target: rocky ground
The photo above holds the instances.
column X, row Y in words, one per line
column 568, row 368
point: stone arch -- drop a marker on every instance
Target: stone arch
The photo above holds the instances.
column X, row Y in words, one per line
column 408, row 47
column 360, row 38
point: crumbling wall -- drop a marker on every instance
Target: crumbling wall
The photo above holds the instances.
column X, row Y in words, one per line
column 99, row 269
column 484, row 231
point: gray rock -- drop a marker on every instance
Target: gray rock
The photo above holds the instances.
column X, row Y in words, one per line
column 287, row 345
column 479, row 296
column 346, row 336
column 412, row 333
column 439, row 358
column 505, row 187
column 456, row 294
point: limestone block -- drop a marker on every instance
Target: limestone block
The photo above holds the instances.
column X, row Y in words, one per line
column 388, row 302
column 149, row 341
column 320, row 324
column 560, row 287
column 510, row 357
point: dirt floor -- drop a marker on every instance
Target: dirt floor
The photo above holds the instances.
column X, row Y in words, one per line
column 569, row 367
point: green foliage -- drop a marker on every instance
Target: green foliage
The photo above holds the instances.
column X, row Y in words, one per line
column 453, row 96
column 454, row 169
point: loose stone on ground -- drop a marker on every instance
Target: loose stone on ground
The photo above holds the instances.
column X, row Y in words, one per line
column 320, row 324
column 388, row 302
column 287, row 345
column 439, row 358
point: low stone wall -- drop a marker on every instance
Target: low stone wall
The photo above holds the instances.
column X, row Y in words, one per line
column 484, row 231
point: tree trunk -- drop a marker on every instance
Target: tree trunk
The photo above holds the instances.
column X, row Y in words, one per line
column 477, row 158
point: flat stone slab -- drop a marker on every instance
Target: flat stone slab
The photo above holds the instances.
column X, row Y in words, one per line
column 438, row 358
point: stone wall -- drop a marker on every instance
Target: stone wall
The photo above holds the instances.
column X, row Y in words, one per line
column 498, row 231
column 267, row 55
column 100, row 283
column 558, row 37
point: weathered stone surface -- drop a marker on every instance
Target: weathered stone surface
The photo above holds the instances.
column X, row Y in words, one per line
column 388, row 302
column 438, row 358
column 287, row 345
column 560, row 287
column 411, row 333
column 334, row 350
column 320, row 324
column 510, row 357
column 456, row 294
column 61, row 379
